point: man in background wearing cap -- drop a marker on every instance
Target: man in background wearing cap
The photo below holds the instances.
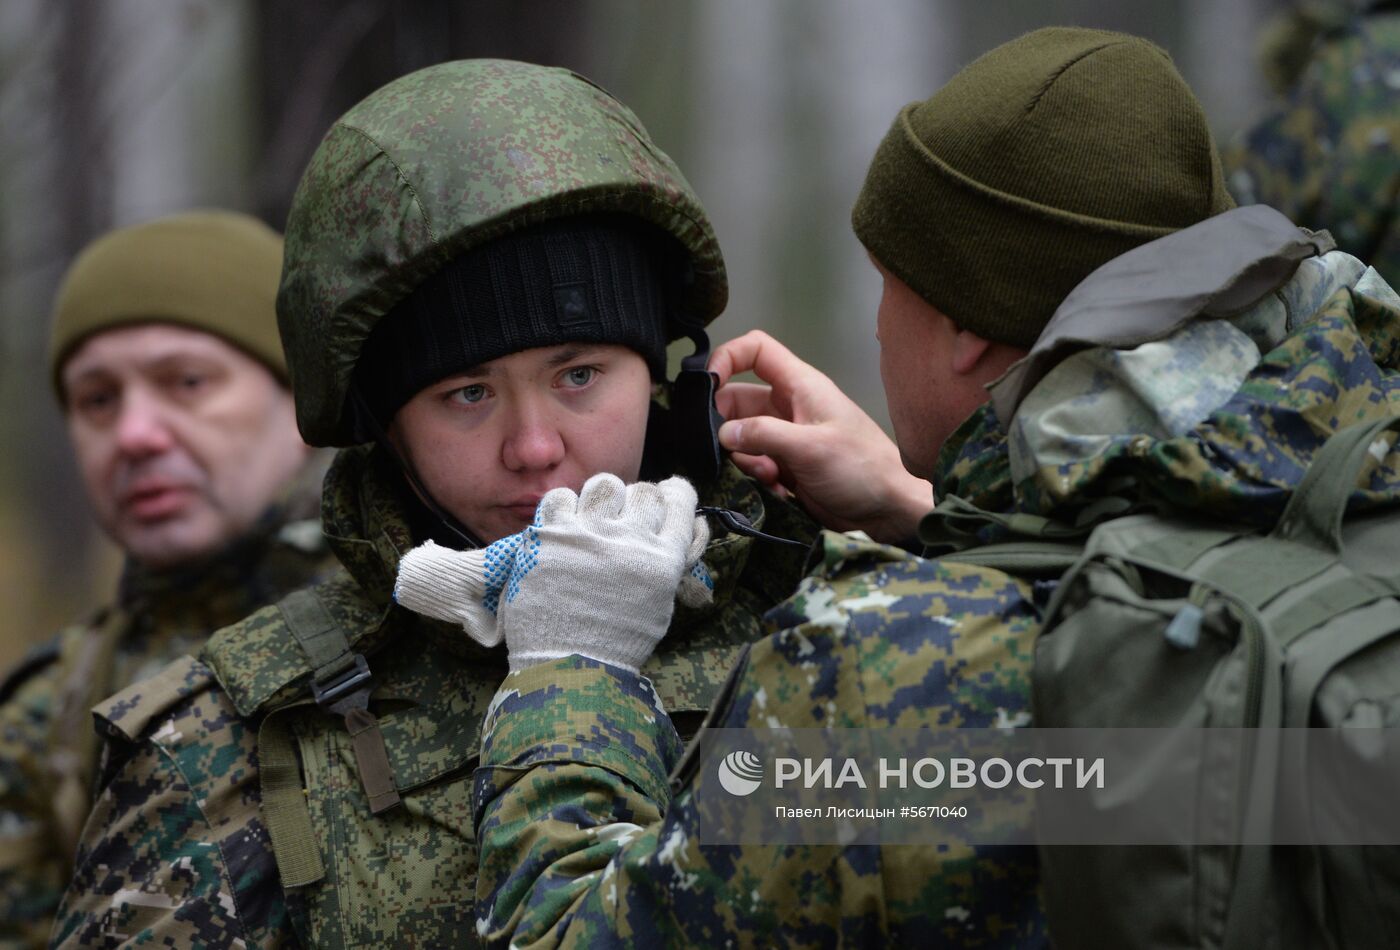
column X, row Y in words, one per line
column 166, row 361
column 1197, row 358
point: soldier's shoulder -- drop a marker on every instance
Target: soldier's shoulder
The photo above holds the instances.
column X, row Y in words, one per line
column 41, row 667
column 849, row 573
column 259, row 657
column 146, row 707
column 39, row 661
column 877, row 633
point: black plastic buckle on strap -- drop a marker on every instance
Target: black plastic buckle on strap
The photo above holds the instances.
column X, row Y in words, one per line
column 338, row 686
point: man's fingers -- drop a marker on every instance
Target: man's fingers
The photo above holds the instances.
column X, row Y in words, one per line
column 784, row 442
column 736, row 356
column 758, row 353
column 758, row 467
column 742, row 400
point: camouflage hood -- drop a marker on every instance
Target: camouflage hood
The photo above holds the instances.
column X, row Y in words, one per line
column 1221, row 415
column 444, row 160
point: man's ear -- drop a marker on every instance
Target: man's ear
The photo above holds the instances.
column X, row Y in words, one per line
column 968, row 350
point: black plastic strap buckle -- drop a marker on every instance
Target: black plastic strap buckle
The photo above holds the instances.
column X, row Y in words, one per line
column 336, row 687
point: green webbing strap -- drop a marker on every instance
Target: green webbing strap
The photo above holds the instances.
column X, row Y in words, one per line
column 954, row 525
column 284, row 804
column 372, row 760
column 320, row 637
column 1330, row 600
column 1249, row 891
column 1021, row 558
column 1180, row 548
column 341, row 685
column 1313, row 515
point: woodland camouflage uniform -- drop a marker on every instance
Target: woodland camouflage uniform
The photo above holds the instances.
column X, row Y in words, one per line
column 585, row 842
column 48, row 749
column 239, row 812
column 1325, row 156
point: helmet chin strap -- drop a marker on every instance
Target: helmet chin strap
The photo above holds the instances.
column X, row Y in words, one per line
column 693, row 403
column 381, row 438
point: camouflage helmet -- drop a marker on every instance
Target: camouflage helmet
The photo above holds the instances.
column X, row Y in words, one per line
column 444, row 160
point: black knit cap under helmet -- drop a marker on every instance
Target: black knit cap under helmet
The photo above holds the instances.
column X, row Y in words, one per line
column 590, row 279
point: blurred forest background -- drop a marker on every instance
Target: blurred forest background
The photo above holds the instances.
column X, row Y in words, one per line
column 115, row 111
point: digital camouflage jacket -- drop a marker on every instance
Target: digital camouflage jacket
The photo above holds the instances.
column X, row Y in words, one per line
column 186, row 842
column 584, row 842
column 1325, row 156
column 48, row 749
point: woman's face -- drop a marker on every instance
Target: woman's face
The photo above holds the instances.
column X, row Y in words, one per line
column 489, row 442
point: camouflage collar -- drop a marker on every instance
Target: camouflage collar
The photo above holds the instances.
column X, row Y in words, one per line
column 365, row 518
column 367, row 523
column 259, row 663
column 974, row 463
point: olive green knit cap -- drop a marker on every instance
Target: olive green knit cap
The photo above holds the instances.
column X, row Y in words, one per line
column 1039, row 162
column 215, row 271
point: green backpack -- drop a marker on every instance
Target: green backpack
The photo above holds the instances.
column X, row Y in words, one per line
column 1161, row 621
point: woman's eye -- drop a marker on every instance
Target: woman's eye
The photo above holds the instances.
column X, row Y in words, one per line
column 579, row 376
column 469, row 394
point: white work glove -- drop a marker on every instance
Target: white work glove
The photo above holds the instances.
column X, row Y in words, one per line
column 597, row 574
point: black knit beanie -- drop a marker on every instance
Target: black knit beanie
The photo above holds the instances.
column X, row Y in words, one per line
column 592, row 279
column 1035, row 165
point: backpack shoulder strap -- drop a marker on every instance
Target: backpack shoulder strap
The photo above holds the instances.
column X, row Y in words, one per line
column 1034, row 546
column 1314, row 513
column 1034, row 559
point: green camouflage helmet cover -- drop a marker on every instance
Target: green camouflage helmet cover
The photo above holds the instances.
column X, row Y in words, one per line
column 444, row 160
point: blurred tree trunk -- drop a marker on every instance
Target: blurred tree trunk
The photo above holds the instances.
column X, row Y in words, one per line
column 81, row 163
column 317, row 58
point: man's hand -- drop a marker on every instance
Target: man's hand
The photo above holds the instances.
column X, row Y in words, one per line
column 597, row 574
column 801, row 432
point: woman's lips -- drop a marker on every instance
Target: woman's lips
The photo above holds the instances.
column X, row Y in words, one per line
column 523, row 508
